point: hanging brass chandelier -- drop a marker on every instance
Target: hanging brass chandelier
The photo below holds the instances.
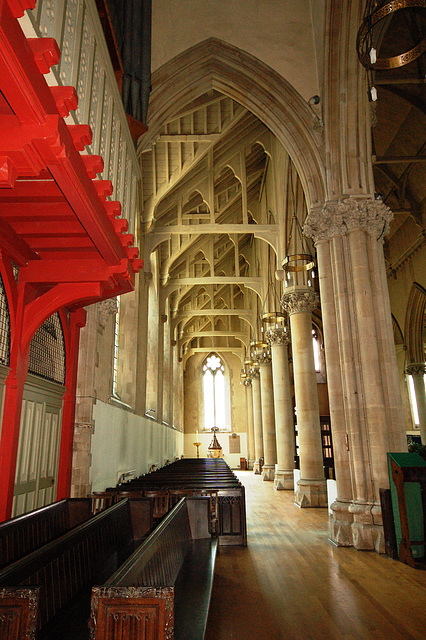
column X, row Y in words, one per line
column 382, row 24
column 298, row 267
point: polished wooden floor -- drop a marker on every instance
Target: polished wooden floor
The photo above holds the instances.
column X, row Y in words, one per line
column 291, row 583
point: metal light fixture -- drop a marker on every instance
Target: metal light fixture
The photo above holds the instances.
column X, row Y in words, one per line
column 302, row 263
column 259, row 351
column 275, row 320
column 298, row 265
column 377, row 26
column 384, row 24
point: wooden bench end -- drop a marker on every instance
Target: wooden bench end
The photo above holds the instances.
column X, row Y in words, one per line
column 18, row 612
column 145, row 612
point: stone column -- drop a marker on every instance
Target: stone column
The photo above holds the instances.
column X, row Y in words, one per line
column 257, row 419
column 250, row 423
column 268, row 417
column 278, row 339
column 312, row 488
column 341, row 523
column 361, row 362
column 418, row 372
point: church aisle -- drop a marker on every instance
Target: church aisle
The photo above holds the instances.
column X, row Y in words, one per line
column 291, row 583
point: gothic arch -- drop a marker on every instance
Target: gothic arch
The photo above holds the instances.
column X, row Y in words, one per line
column 414, row 324
column 214, row 64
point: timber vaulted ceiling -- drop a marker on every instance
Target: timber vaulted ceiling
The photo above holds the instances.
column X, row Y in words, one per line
column 207, row 214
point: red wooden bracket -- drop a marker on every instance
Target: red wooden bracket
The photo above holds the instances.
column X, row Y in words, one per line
column 103, row 188
column 18, row 7
column 46, row 53
column 126, row 239
column 113, row 208
column 120, row 225
column 8, row 172
column 66, row 100
column 81, row 135
column 94, row 165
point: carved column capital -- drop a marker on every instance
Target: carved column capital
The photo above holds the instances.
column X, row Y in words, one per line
column 263, row 359
column 106, row 309
column 254, row 374
column 341, row 217
column 302, row 301
column 416, row 369
column 247, row 382
column 277, row 337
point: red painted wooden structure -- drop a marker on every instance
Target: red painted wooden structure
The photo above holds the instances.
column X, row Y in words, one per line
column 56, row 225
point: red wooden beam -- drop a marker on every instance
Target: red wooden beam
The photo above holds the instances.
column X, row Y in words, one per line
column 55, row 222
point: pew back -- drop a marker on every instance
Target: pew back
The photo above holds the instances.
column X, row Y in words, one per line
column 28, row 532
column 198, row 476
column 64, row 567
column 138, row 600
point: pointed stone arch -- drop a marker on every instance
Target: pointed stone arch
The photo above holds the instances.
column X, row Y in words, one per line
column 414, row 324
column 216, row 65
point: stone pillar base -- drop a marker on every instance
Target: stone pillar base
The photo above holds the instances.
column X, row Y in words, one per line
column 256, row 468
column 284, row 480
column 341, row 524
column 311, row 493
column 268, row 472
column 367, row 527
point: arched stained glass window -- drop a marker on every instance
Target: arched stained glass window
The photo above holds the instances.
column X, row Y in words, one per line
column 214, row 393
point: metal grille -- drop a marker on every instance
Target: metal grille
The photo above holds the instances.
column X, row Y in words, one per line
column 4, row 327
column 47, row 351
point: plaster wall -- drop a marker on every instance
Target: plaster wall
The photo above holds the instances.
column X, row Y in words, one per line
column 123, row 441
column 278, row 32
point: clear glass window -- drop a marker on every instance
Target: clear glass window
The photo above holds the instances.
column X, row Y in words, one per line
column 413, row 398
column 214, row 393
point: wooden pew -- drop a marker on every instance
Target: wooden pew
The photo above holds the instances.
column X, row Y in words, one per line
column 201, row 476
column 162, row 592
column 28, row 532
column 40, row 589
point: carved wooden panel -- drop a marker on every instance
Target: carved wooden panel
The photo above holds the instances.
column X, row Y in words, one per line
column 18, row 613
column 38, row 450
column 132, row 613
column 232, row 517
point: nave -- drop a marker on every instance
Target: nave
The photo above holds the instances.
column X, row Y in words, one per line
column 291, row 583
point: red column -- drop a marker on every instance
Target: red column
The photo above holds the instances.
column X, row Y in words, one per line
column 78, row 320
column 12, row 407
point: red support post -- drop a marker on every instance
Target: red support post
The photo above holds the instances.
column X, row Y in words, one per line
column 12, row 407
